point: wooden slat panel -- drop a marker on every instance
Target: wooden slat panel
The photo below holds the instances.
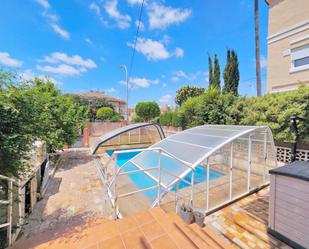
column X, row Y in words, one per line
column 293, row 192
column 292, row 200
column 282, row 204
column 293, row 235
column 293, row 183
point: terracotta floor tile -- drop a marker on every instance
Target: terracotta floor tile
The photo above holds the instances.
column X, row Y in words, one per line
column 163, row 242
column 113, row 243
column 143, row 218
column 133, row 238
column 152, row 230
column 126, row 224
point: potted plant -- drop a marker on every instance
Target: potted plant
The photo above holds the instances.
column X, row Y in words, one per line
column 186, row 213
column 199, row 218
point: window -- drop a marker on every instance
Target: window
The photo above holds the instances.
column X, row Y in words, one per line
column 301, row 62
column 300, row 58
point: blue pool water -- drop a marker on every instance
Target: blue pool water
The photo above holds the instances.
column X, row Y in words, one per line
column 142, row 181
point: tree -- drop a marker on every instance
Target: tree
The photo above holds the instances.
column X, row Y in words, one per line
column 216, row 77
column 186, row 92
column 231, row 73
column 105, row 113
column 257, row 49
column 210, row 71
column 147, row 110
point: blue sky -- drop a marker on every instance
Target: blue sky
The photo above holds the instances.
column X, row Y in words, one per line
column 80, row 44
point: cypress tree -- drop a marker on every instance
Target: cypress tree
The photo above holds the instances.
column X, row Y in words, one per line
column 226, row 73
column 234, row 73
column 210, row 83
column 231, row 73
column 216, row 76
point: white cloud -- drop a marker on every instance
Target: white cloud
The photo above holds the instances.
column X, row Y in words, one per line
column 181, row 75
column 123, row 21
column 51, row 17
column 60, row 31
column 44, row 3
column 161, row 16
column 62, row 69
column 66, row 65
column 58, row 57
column 263, row 61
column 7, row 60
column 165, row 98
column 89, row 41
column 164, row 85
column 153, row 50
column 135, row 83
column 29, row 75
column 110, row 90
column 133, row 2
column 179, row 52
column 141, row 25
column 96, row 9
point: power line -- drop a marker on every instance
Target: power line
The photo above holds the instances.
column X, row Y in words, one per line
column 136, row 37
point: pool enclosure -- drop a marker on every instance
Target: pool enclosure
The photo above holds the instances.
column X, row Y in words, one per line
column 206, row 166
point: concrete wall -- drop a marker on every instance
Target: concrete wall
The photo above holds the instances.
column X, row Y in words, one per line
column 288, row 28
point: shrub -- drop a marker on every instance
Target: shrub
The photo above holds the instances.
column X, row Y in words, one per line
column 186, row 92
column 273, row 110
column 169, row 118
column 147, row 110
column 104, row 113
column 188, row 112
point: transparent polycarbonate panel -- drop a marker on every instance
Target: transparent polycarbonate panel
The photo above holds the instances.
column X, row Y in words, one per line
column 183, row 151
column 258, row 167
column 199, row 139
column 218, row 187
column 215, row 132
column 240, row 166
column 147, row 159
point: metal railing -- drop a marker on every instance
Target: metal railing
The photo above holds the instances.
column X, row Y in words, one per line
column 111, row 171
column 9, row 203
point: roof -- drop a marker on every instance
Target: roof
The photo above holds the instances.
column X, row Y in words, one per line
column 187, row 149
column 99, row 95
column 121, row 130
column 297, row 169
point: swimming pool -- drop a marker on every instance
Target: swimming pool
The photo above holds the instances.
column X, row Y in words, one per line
column 142, row 181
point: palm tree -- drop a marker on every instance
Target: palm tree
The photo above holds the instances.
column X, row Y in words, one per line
column 257, row 49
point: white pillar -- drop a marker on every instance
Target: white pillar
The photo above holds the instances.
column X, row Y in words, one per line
column 207, row 185
column 231, row 172
column 249, row 161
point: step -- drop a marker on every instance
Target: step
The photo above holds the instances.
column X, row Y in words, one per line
column 238, row 235
column 254, row 227
column 209, row 240
column 200, row 238
column 167, row 223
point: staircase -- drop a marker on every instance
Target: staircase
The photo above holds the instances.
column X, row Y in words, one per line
column 189, row 236
column 151, row 229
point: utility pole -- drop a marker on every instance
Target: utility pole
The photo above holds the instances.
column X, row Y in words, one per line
column 122, row 66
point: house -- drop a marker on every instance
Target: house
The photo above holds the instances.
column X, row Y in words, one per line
column 288, row 44
column 118, row 104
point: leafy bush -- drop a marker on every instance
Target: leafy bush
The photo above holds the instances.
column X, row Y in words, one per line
column 273, row 110
column 105, row 113
column 186, row 92
column 30, row 111
column 147, row 110
column 137, row 119
column 169, row 118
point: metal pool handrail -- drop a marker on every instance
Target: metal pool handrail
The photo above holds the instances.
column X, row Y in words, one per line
column 112, row 190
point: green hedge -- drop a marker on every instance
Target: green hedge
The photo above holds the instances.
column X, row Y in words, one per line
column 273, row 110
column 170, row 118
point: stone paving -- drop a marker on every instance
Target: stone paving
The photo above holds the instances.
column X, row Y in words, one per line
column 73, row 195
column 244, row 223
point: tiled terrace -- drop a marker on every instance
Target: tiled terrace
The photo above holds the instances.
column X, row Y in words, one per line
column 244, row 223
